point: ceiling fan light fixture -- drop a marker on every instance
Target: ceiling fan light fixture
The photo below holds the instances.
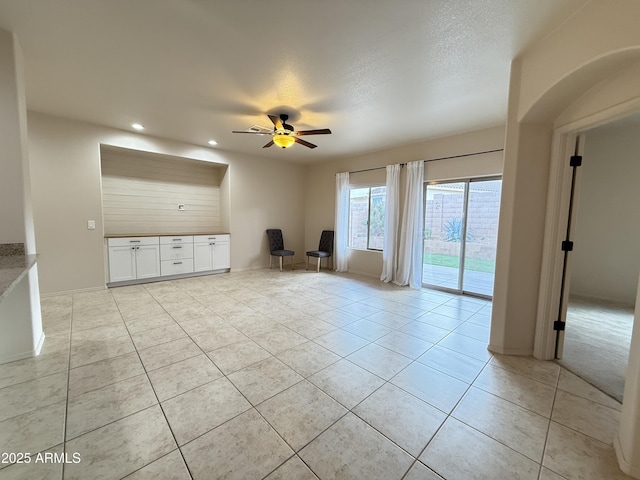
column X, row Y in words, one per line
column 283, row 140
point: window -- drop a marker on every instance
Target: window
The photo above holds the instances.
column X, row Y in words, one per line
column 366, row 217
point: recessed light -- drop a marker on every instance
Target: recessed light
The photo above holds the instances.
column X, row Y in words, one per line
column 212, row 142
column 137, row 126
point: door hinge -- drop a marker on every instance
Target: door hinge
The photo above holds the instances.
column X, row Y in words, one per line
column 567, row 246
column 575, row 161
column 559, row 325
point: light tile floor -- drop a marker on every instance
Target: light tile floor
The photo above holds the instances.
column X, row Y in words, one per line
column 292, row 375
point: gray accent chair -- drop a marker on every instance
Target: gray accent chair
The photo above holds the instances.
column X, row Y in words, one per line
column 325, row 250
column 276, row 247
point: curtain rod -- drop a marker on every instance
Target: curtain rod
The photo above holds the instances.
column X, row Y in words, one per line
column 435, row 159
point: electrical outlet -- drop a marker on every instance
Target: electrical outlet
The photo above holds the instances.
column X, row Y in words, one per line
column 91, row 225
column 181, row 206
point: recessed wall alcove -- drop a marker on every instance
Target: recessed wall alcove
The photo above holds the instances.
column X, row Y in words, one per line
column 150, row 193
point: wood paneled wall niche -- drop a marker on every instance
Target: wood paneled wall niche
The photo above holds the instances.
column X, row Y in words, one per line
column 141, row 193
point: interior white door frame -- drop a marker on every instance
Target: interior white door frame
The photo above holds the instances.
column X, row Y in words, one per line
column 563, row 145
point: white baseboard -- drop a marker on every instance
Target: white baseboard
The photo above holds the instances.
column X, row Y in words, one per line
column 29, row 354
column 624, row 465
column 71, row 292
column 510, row 351
column 364, row 274
column 38, row 347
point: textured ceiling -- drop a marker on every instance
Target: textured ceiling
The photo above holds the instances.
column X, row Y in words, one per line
column 379, row 73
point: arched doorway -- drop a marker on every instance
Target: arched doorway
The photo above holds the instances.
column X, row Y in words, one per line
column 603, row 100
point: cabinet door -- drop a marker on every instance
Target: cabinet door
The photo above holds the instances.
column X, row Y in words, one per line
column 202, row 257
column 122, row 263
column 148, row 261
column 221, row 256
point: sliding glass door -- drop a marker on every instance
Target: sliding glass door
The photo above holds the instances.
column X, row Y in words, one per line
column 483, row 210
column 444, row 219
column 460, row 234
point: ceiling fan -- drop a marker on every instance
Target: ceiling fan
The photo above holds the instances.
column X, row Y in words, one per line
column 284, row 134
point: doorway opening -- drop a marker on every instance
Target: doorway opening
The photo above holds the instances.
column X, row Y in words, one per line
column 605, row 261
column 460, row 235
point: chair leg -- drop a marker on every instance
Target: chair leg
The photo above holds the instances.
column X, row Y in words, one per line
column 280, row 263
column 307, row 262
column 318, row 266
column 270, row 260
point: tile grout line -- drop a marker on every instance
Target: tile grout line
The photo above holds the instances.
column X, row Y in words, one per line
column 66, row 407
column 47, row 405
column 156, row 395
column 546, row 437
column 350, row 410
column 252, row 407
column 449, row 415
column 369, row 342
column 510, row 401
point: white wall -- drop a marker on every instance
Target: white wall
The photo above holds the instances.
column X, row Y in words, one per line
column 265, row 194
column 591, row 47
column 320, row 182
column 548, row 65
column 12, row 198
column 20, row 318
column 66, row 182
column 605, row 262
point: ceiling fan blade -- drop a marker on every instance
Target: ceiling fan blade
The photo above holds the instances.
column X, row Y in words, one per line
column 276, row 122
column 253, row 133
column 268, row 144
column 322, row 131
column 304, row 142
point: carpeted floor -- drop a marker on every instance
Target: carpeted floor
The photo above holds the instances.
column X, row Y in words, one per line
column 596, row 343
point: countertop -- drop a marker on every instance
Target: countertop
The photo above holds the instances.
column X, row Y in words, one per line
column 181, row 234
column 12, row 269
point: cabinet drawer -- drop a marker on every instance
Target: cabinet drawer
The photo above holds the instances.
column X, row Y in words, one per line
column 176, row 251
column 210, row 238
column 176, row 267
column 121, row 242
column 177, row 239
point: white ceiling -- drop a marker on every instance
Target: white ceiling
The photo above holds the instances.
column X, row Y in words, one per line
column 379, row 73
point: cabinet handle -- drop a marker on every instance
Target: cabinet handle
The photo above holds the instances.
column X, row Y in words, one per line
column 212, row 243
column 177, row 239
column 177, row 263
column 212, row 238
column 134, row 241
column 178, row 247
column 137, row 248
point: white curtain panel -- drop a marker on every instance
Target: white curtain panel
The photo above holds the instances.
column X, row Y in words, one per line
column 391, row 216
column 342, row 222
column 410, row 252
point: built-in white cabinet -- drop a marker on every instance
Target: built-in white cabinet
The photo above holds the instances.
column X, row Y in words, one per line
column 176, row 255
column 139, row 258
column 133, row 258
column 211, row 252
